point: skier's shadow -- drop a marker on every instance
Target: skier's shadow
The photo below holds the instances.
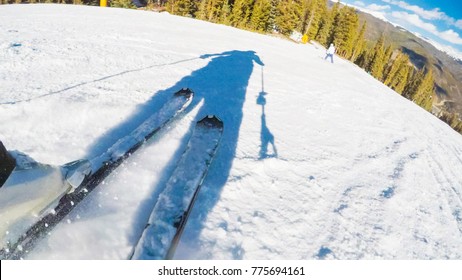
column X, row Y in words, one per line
column 266, row 136
column 219, row 89
column 222, row 87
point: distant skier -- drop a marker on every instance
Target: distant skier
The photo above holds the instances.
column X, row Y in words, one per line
column 330, row 52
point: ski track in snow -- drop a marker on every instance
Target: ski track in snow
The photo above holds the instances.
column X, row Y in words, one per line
column 318, row 160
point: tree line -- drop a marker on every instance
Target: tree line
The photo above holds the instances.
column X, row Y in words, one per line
column 452, row 119
column 76, row 2
column 338, row 24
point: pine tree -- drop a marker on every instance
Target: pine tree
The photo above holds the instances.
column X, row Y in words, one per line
column 216, row 13
column 377, row 63
column 314, row 15
column 260, row 18
column 181, row 7
column 359, row 43
column 421, row 88
column 299, row 8
column 306, row 10
column 335, row 17
column 387, row 61
column 127, row 4
column 414, row 79
column 286, row 17
column 201, row 12
column 398, row 73
column 363, row 59
column 323, row 35
column 241, row 12
column 425, row 91
column 454, row 121
column 273, row 14
column 458, row 127
column 344, row 30
column 211, row 10
column 226, row 13
column 388, row 54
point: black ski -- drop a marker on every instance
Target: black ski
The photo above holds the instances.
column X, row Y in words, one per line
column 170, row 214
column 102, row 166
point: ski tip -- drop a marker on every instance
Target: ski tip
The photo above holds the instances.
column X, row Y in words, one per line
column 211, row 121
column 186, row 92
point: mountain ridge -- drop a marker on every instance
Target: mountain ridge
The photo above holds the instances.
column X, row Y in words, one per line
column 447, row 69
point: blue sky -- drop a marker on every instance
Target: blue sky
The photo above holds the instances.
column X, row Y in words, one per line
column 440, row 21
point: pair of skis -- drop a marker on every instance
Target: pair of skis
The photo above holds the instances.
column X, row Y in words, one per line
column 179, row 194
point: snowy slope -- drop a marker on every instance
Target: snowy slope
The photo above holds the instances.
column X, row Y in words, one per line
column 318, row 160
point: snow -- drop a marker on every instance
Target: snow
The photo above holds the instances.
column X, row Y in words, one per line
column 380, row 14
column 171, row 210
column 329, row 164
column 452, row 52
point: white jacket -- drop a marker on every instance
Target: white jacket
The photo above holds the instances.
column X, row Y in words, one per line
column 331, row 50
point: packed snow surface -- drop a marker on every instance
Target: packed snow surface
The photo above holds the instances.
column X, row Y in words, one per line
column 317, row 160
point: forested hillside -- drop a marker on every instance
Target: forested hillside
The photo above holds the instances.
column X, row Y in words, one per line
column 447, row 70
column 376, row 50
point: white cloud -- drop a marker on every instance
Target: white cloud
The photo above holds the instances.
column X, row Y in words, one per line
column 449, row 35
column 426, row 14
column 444, row 48
column 458, row 23
column 415, row 20
column 434, row 14
column 375, row 7
column 378, row 12
column 371, row 7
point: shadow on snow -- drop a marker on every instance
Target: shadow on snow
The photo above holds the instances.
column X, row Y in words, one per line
column 219, row 89
column 266, row 137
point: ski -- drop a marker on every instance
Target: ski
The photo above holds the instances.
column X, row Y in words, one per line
column 170, row 214
column 81, row 177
